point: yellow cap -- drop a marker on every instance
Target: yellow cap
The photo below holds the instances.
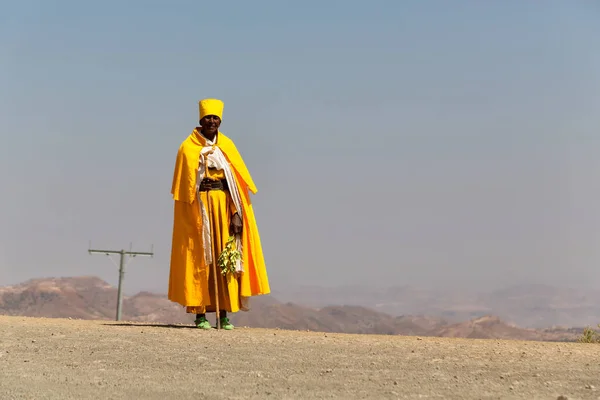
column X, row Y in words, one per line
column 211, row 107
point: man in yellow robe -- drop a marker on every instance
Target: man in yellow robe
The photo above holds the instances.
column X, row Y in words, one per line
column 211, row 191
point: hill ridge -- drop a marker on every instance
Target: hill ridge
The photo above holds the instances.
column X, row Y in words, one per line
column 90, row 297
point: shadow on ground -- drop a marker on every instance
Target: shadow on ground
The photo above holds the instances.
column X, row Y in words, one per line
column 171, row 326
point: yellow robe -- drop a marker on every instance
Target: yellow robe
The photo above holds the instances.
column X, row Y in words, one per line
column 190, row 279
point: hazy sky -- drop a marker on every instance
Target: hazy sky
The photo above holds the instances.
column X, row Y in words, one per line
column 426, row 142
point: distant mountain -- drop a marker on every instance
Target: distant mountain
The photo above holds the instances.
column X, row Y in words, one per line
column 491, row 327
column 92, row 298
column 81, row 297
column 532, row 306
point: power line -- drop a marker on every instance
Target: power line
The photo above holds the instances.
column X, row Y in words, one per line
column 122, row 254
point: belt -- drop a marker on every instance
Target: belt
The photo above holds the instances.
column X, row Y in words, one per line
column 208, row 184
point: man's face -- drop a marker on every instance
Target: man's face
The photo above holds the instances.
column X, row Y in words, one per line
column 210, row 124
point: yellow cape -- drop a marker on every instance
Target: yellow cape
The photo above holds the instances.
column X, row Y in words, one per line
column 188, row 279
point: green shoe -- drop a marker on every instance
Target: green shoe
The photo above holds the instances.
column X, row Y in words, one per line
column 225, row 324
column 202, row 323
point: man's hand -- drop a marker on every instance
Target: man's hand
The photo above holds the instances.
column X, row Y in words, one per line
column 236, row 224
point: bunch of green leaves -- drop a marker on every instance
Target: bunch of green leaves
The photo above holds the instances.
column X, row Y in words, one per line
column 229, row 257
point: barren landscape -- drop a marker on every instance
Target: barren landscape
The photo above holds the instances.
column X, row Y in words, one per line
column 58, row 341
column 80, row 359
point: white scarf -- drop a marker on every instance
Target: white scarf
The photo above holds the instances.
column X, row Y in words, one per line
column 214, row 157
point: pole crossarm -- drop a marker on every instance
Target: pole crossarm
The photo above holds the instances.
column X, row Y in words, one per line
column 122, row 254
column 128, row 253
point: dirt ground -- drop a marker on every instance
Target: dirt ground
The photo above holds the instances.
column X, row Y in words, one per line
column 74, row 359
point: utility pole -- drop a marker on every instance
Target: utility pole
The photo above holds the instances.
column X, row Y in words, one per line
column 122, row 254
